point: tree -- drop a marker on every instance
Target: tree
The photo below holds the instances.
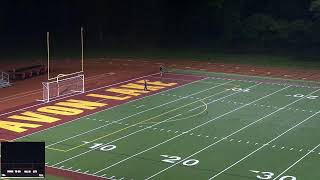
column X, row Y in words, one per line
column 315, row 8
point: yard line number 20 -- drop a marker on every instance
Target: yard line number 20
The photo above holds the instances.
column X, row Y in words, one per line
column 175, row 159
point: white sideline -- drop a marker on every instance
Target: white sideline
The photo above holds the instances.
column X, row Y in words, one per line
column 140, row 112
column 225, row 136
column 273, row 138
column 316, row 147
column 140, row 129
column 77, row 171
column 170, row 138
column 78, row 94
column 107, row 109
column 194, row 128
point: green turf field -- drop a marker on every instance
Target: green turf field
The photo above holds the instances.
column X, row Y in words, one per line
column 215, row 128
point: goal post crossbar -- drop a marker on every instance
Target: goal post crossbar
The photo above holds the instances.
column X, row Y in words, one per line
column 65, row 75
column 63, row 87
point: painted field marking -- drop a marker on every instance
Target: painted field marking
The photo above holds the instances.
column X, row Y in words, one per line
column 107, row 108
column 192, row 129
column 54, row 100
column 245, row 127
column 295, row 163
column 270, row 140
column 194, row 115
column 77, row 171
column 155, row 124
column 133, row 115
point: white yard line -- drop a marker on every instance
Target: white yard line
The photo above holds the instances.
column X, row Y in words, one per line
column 108, row 109
column 138, row 131
column 188, row 131
column 295, row 163
column 141, row 112
column 266, row 144
column 226, row 137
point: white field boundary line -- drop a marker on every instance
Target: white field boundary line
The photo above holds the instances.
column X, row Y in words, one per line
column 202, row 82
column 142, row 129
column 295, row 163
column 274, row 139
column 264, row 78
column 261, row 80
column 77, row 94
column 76, row 171
column 141, row 112
column 107, row 109
column 20, row 95
column 192, row 130
column 226, row 137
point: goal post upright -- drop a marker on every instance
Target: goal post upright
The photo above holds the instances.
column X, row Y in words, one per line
column 82, row 68
column 64, row 84
column 48, row 54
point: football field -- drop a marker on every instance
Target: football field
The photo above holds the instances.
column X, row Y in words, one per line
column 213, row 128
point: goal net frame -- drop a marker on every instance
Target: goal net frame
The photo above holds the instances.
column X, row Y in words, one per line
column 63, row 85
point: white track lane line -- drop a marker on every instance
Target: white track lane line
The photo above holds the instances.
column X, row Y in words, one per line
column 109, row 109
column 23, row 94
column 188, row 131
column 266, row 144
column 135, row 132
column 77, row 94
column 141, row 112
column 295, row 163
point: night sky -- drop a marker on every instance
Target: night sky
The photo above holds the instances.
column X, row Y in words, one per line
column 162, row 23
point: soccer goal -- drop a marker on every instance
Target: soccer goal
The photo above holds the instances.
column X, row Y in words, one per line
column 63, row 84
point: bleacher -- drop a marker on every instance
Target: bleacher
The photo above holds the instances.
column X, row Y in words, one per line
column 4, row 80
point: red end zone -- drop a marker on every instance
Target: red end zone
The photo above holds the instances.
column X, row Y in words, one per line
column 41, row 116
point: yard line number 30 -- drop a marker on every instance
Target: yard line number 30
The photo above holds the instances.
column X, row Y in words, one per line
column 269, row 175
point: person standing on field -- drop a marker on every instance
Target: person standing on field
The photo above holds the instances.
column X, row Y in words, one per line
column 145, row 85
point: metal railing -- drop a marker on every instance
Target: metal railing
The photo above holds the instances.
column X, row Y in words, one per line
column 5, row 77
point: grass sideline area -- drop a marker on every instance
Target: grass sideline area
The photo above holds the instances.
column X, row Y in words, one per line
column 216, row 128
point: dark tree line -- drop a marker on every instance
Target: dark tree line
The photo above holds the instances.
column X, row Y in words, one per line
column 165, row 23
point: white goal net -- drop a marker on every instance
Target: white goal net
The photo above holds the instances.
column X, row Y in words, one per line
column 63, row 85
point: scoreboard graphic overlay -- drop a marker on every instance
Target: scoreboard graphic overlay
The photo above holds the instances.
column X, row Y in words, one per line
column 23, row 159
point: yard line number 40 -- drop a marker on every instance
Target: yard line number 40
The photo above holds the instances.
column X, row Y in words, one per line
column 302, row 95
